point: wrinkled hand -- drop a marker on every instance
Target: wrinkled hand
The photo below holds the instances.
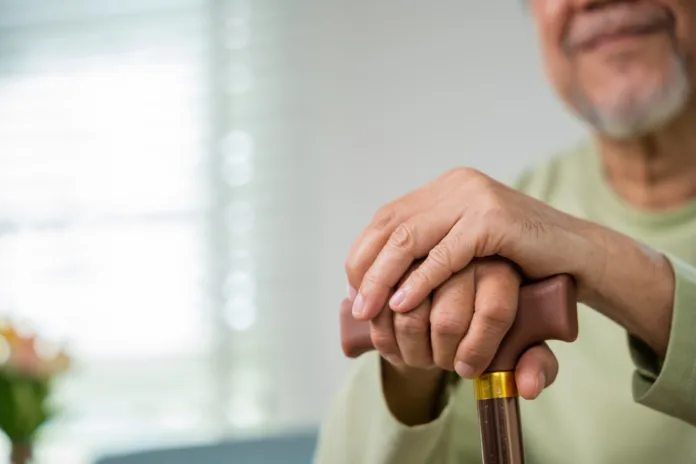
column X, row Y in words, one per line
column 420, row 344
column 461, row 216
column 454, row 325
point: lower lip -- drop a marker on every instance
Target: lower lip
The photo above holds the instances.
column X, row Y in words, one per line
column 619, row 41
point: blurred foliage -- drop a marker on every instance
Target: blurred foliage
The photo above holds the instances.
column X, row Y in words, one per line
column 23, row 405
column 26, row 376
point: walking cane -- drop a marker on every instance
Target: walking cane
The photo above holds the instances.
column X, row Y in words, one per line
column 547, row 310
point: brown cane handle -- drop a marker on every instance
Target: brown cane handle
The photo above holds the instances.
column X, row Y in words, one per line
column 547, row 310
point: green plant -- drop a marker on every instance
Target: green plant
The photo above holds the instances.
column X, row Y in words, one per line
column 25, row 386
column 23, row 405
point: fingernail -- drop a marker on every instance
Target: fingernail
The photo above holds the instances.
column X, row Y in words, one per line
column 464, row 370
column 352, row 292
column 398, row 298
column 540, row 383
column 358, row 305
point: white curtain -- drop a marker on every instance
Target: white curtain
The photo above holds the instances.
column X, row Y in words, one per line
column 158, row 212
column 105, row 214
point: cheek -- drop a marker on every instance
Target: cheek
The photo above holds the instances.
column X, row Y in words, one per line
column 550, row 12
column 550, row 18
column 558, row 72
column 555, row 64
column 550, row 9
column 685, row 14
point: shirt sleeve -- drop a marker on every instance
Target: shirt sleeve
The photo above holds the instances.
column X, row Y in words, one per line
column 669, row 385
column 360, row 428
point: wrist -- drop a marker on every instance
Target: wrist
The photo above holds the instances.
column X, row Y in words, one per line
column 630, row 283
column 414, row 396
column 589, row 258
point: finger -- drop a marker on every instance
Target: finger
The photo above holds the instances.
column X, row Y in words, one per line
column 352, row 293
column 495, row 307
column 537, row 369
column 447, row 253
column 413, row 335
column 409, row 241
column 367, row 246
column 384, row 338
column 450, row 316
column 370, row 242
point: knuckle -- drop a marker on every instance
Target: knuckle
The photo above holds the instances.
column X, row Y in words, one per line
column 441, row 256
column 472, row 354
column 384, row 217
column 370, row 279
column 373, row 286
column 493, row 207
column 453, row 296
column 353, row 267
column 384, row 343
column 484, row 182
column 420, row 277
column 456, row 294
column 496, row 319
column 411, row 323
column 463, row 172
column 403, row 237
column 474, row 180
column 413, row 268
column 448, row 326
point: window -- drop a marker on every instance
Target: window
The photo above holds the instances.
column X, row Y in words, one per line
column 158, row 211
column 105, row 214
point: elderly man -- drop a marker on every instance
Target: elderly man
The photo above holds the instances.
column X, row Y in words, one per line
column 437, row 272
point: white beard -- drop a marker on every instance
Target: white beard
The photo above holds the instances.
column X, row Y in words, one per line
column 627, row 116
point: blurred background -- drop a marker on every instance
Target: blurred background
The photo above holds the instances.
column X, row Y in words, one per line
column 180, row 182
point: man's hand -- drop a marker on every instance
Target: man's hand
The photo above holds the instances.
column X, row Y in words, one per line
column 460, row 216
column 464, row 215
column 420, row 345
column 461, row 326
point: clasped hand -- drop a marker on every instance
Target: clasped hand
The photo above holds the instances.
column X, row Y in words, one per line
column 437, row 273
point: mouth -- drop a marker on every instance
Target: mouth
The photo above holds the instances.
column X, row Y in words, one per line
column 629, row 34
column 617, row 24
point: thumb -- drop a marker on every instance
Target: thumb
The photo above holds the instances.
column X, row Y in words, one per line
column 537, row 369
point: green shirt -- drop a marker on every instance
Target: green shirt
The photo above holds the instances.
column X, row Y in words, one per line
column 612, row 402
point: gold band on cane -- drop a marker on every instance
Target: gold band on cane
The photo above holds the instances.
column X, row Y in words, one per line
column 495, row 385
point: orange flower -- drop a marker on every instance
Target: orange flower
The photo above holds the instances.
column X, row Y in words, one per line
column 23, row 355
column 9, row 334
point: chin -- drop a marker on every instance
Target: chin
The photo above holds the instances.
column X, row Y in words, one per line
column 637, row 107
